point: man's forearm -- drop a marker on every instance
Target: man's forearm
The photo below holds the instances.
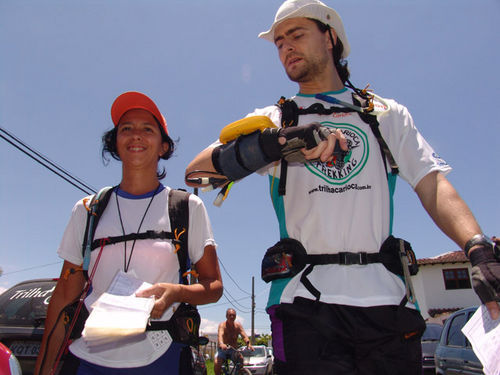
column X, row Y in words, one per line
column 450, row 213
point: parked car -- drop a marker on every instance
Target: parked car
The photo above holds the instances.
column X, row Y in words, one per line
column 429, row 340
column 270, row 349
column 9, row 365
column 454, row 354
column 258, row 361
column 23, row 309
column 199, row 365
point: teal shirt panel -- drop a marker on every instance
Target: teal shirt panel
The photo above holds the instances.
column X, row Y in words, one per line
column 277, row 286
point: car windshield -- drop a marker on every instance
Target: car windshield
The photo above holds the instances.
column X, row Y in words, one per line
column 26, row 304
column 432, row 332
column 258, row 352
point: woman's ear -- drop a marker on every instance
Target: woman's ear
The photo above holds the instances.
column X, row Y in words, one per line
column 164, row 147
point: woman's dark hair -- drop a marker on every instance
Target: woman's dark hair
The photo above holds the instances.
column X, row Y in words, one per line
column 109, row 146
column 338, row 50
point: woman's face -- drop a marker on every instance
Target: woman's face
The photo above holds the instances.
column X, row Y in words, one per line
column 138, row 139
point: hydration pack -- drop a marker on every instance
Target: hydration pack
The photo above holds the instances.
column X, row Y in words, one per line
column 184, row 325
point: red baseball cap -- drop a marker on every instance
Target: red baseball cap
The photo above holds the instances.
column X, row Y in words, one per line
column 136, row 100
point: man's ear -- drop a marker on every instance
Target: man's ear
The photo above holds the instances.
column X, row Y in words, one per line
column 329, row 40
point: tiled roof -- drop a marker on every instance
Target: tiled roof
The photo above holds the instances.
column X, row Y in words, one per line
column 451, row 257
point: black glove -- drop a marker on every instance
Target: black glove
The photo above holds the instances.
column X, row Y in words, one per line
column 297, row 138
column 486, row 273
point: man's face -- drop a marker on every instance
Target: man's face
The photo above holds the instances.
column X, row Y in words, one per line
column 231, row 315
column 303, row 49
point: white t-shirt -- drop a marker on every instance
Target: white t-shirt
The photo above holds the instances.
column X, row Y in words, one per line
column 152, row 261
column 347, row 206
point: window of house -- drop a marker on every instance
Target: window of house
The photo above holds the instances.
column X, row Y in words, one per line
column 456, row 278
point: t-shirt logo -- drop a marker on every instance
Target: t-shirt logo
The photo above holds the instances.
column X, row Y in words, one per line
column 339, row 172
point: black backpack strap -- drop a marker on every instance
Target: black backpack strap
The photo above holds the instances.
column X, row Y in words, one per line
column 178, row 210
column 289, row 117
column 372, row 121
column 95, row 209
column 149, row 234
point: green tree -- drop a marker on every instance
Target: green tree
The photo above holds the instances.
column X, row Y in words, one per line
column 263, row 340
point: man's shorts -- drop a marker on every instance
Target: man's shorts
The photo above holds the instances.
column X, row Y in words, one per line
column 225, row 354
column 311, row 337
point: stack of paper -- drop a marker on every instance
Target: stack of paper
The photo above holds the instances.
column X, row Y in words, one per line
column 484, row 335
column 118, row 313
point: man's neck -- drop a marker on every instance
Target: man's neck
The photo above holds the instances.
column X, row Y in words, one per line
column 327, row 81
column 309, row 88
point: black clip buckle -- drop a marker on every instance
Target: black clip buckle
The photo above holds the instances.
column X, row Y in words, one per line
column 348, row 259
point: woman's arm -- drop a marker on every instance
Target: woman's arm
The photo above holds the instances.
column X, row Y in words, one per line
column 207, row 290
column 68, row 288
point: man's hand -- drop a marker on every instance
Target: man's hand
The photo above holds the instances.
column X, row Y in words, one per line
column 223, row 346
column 165, row 294
column 310, row 142
column 335, row 145
column 486, row 276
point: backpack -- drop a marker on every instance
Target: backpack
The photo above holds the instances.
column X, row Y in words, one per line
column 290, row 113
column 184, row 325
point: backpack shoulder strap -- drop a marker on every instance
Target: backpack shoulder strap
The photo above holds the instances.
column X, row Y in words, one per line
column 178, row 211
column 289, row 117
column 95, row 209
column 372, row 121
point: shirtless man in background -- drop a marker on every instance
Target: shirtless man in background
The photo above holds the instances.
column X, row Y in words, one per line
column 228, row 333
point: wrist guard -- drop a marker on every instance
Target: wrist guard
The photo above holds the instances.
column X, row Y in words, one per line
column 480, row 239
column 485, row 273
column 247, row 154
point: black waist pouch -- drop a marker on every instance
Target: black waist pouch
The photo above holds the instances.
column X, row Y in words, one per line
column 183, row 326
column 390, row 256
column 283, row 260
column 68, row 315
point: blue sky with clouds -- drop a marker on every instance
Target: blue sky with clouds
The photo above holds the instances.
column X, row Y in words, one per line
column 64, row 61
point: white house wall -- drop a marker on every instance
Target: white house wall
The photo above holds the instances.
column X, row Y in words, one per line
column 431, row 293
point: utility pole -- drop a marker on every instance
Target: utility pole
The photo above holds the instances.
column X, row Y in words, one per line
column 252, row 339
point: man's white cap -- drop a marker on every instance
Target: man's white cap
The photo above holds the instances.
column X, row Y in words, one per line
column 314, row 9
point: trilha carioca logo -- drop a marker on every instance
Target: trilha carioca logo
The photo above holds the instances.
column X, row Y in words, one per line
column 338, row 172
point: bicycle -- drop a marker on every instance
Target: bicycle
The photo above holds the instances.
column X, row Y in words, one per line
column 237, row 367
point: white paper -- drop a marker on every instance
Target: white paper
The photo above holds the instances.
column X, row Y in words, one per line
column 126, row 284
column 484, row 336
column 118, row 313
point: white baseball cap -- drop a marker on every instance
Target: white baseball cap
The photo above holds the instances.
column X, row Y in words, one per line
column 314, row 9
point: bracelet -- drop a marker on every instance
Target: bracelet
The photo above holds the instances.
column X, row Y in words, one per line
column 478, row 239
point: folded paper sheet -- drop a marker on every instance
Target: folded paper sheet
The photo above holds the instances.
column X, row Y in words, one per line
column 484, row 335
column 118, row 313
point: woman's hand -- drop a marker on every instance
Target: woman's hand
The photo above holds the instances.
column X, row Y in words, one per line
column 165, row 295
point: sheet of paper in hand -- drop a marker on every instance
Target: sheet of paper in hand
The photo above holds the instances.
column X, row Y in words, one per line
column 118, row 313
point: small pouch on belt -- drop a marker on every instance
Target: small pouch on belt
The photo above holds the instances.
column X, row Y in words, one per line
column 390, row 255
column 283, row 260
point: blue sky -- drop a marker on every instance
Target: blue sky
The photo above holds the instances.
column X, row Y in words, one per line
column 63, row 62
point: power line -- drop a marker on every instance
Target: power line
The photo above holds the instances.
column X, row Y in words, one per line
column 222, row 264
column 61, row 172
column 236, row 308
column 208, row 306
column 32, row 268
column 234, row 299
